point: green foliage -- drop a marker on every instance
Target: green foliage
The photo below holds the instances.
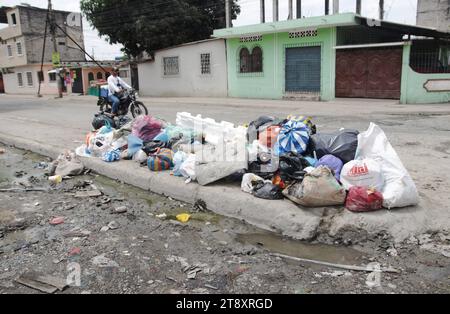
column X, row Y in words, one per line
column 149, row 25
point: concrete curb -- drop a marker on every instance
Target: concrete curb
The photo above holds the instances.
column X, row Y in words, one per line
column 282, row 217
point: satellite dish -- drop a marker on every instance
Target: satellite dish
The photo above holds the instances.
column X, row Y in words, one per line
column 74, row 19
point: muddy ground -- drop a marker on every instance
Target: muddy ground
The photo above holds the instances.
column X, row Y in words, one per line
column 147, row 250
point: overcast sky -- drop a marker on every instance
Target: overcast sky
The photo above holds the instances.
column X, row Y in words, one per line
column 403, row 11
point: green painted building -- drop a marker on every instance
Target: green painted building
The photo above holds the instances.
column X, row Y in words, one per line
column 342, row 55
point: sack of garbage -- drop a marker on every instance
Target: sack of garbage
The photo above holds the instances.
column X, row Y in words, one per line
column 333, row 163
column 153, row 146
column 364, row 173
column 66, row 165
column 101, row 120
column 293, row 137
column 178, row 159
column 341, row 144
column 269, row 136
column 291, row 167
column 134, row 145
column 361, row 199
column 399, row 189
column 140, row 156
column 306, row 121
column 319, row 188
column 187, row 168
column 249, row 180
column 268, row 191
column 259, row 125
column 146, row 128
column 162, row 160
column 111, row 156
column 100, row 144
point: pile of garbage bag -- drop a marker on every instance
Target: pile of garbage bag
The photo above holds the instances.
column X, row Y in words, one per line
column 273, row 158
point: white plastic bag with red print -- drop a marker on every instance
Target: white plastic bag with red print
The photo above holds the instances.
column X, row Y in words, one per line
column 363, row 173
column 399, row 189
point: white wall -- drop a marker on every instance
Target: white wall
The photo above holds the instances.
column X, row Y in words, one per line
column 189, row 82
column 11, row 82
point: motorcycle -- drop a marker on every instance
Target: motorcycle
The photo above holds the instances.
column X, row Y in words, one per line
column 128, row 102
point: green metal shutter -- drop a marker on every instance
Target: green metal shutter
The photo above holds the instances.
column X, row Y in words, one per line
column 303, row 69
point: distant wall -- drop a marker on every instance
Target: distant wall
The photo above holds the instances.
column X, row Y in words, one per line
column 189, row 82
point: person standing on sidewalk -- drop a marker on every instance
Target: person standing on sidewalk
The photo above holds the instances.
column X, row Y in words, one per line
column 115, row 86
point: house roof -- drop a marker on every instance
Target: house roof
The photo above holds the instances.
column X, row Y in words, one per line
column 326, row 21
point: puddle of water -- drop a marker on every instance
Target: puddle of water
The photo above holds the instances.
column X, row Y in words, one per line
column 318, row 252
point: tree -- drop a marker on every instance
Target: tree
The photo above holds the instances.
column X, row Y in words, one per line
column 149, row 25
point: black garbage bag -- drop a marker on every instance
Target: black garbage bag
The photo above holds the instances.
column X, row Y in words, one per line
column 267, row 191
column 341, row 144
column 257, row 126
column 151, row 147
column 291, row 167
column 101, row 120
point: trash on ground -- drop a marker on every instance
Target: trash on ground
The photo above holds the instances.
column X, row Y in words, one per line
column 43, row 283
column 183, row 217
column 57, row 221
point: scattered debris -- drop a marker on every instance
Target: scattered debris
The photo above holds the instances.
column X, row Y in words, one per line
column 349, row 267
column 161, row 216
column 2, row 151
column 120, row 210
column 44, row 283
column 57, row 221
column 93, row 193
column 14, row 190
column 55, row 179
column 392, row 252
column 113, row 225
column 75, row 251
column 184, row 218
column 437, row 249
column 104, row 229
column 102, row 261
column 211, row 287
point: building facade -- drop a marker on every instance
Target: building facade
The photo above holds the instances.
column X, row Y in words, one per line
column 434, row 13
column 341, row 55
column 195, row 69
column 21, row 43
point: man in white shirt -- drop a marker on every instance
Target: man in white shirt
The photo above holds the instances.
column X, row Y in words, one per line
column 115, row 86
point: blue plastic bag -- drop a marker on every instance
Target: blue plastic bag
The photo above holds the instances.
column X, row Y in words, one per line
column 293, row 137
column 134, row 144
column 178, row 160
column 111, row 156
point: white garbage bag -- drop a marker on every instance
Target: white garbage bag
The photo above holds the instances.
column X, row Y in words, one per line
column 399, row 189
column 364, row 173
column 249, row 180
column 187, row 168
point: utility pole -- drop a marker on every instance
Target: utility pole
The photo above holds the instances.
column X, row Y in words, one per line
column 381, row 10
column 291, row 10
column 327, row 7
column 227, row 14
column 262, row 8
column 55, row 44
column 358, row 7
column 299, row 9
column 275, row 10
column 335, row 6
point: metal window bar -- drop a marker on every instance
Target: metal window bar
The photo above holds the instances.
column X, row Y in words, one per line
column 430, row 57
column 205, row 60
column 171, row 66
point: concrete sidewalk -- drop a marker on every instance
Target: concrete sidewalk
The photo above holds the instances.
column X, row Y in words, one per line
column 51, row 126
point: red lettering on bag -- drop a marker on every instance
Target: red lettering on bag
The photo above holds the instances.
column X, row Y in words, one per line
column 358, row 171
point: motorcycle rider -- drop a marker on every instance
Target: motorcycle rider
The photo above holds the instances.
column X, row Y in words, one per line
column 115, row 87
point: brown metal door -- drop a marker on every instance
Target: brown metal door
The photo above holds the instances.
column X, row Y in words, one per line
column 2, row 87
column 369, row 73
